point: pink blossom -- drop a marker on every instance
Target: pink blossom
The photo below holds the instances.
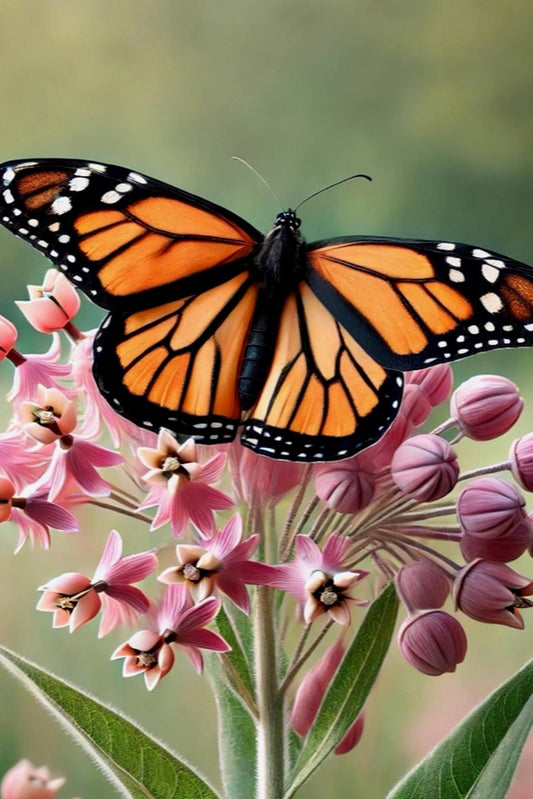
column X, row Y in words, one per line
column 180, row 485
column 24, row 781
column 51, row 416
column 21, row 463
column 486, row 406
column 319, row 580
column 422, row 585
column 521, row 461
column 425, row 467
column 42, row 369
column 222, row 564
column 347, row 486
column 432, row 641
column 508, row 545
column 34, row 514
column 52, row 305
column 492, row 593
column 435, row 382
column 489, row 506
column 8, row 336
column 74, row 599
column 179, row 623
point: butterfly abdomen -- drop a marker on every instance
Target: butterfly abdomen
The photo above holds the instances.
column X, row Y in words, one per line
column 259, row 350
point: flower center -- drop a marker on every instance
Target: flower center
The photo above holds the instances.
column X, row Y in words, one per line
column 327, row 594
column 171, row 465
column 147, row 660
column 192, row 573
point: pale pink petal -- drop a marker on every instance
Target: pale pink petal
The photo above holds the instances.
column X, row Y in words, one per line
column 112, row 552
column 213, row 468
column 132, row 568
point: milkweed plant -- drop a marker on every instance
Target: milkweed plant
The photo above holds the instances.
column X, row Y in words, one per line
column 283, row 581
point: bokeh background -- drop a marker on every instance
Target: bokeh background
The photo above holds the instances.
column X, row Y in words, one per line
column 433, row 99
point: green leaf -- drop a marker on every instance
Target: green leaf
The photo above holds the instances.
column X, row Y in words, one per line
column 138, row 766
column 350, row 687
column 479, row 757
column 237, row 656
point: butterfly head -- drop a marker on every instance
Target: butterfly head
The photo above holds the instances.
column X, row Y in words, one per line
column 287, row 219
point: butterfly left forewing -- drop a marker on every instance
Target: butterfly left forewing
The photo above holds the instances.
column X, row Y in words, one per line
column 416, row 303
column 177, row 365
column 126, row 239
column 324, row 398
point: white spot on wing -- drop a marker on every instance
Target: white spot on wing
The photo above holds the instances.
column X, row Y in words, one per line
column 78, row 184
column 490, row 273
column 491, row 302
column 445, row 245
column 110, row 197
column 61, row 205
column 456, row 276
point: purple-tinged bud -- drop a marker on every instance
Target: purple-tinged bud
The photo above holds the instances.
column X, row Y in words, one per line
column 492, row 593
column 505, row 547
column 345, row 486
column 422, row 585
column 489, row 507
column 486, row 406
column 425, row 467
column 415, row 405
column 432, row 641
column 436, row 382
column 521, row 459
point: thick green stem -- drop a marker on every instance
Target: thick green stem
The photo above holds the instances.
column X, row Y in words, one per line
column 270, row 724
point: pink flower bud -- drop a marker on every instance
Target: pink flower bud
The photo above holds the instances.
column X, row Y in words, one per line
column 492, row 593
column 486, row 406
column 24, row 781
column 52, row 305
column 345, row 486
column 425, row 467
column 8, row 337
column 436, row 382
column 432, row 641
column 415, row 405
column 505, row 547
column 489, row 507
column 521, row 458
column 422, row 585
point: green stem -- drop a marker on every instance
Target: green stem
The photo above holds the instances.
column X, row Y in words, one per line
column 270, row 724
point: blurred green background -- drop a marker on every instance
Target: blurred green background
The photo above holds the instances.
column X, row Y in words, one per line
column 433, row 99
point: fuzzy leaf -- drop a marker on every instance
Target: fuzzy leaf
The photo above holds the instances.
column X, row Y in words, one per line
column 138, row 766
column 350, row 687
column 479, row 757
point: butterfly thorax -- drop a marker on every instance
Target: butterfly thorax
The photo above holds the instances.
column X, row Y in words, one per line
column 279, row 266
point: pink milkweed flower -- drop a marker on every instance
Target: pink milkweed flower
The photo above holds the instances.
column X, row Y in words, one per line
column 432, row 641
column 422, row 585
column 260, row 481
column 180, row 485
column 8, row 336
column 24, row 781
column 347, row 486
column 310, row 694
column 52, row 305
column 222, row 564
column 489, row 506
column 180, row 624
column 43, row 369
column 53, row 418
column 425, row 467
column 20, row 463
column 74, row 599
column 492, row 593
column 486, row 406
column 318, row 579
column 521, row 461
column 97, row 412
column 34, row 514
column 435, row 382
column 504, row 547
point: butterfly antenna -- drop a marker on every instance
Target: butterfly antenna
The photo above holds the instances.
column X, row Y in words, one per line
column 261, row 178
column 331, row 186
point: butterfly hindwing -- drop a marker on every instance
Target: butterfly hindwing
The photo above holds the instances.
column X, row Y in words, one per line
column 324, row 398
column 125, row 239
column 177, row 365
column 412, row 304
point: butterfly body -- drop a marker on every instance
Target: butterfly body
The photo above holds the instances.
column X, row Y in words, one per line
column 215, row 330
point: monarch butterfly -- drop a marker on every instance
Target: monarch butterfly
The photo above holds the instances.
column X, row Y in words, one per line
column 215, row 329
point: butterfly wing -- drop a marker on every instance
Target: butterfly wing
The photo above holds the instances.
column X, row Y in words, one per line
column 324, row 398
column 173, row 269
column 412, row 304
column 177, row 365
column 127, row 240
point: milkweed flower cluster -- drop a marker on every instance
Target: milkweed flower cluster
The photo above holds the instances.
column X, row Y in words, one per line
column 323, row 538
